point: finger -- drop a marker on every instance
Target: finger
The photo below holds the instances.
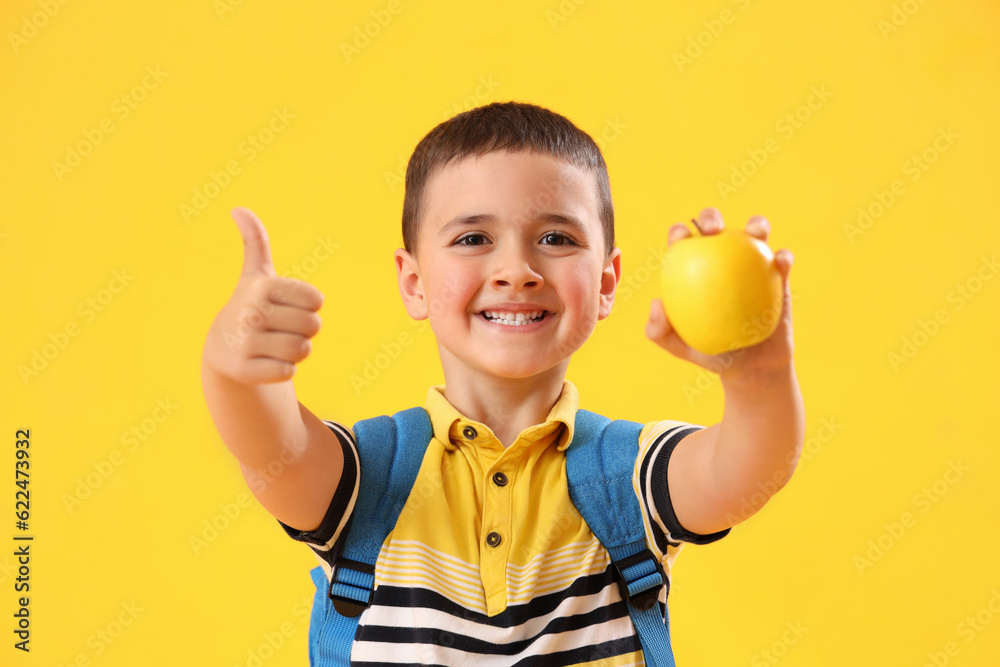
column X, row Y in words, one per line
column 286, row 347
column 267, row 316
column 264, row 370
column 784, row 260
column 291, row 320
column 256, row 248
column 677, row 232
column 710, row 220
column 294, row 292
column 759, row 227
column 786, row 289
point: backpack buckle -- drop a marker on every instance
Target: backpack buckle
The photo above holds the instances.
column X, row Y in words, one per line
column 353, row 589
column 640, row 577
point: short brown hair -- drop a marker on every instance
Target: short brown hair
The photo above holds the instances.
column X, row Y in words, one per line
column 511, row 126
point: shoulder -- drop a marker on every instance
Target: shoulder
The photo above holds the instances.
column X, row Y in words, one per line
column 406, row 424
column 342, row 431
column 668, row 427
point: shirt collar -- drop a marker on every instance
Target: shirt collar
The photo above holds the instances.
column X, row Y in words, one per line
column 444, row 416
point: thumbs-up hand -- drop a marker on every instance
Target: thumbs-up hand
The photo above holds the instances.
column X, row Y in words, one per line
column 264, row 329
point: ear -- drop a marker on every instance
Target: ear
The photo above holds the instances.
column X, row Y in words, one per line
column 610, row 276
column 410, row 284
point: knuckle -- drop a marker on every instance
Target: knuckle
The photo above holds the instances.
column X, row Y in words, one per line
column 260, row 285
column 252, row 313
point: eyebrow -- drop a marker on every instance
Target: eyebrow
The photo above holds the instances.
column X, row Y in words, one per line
column 482, row 218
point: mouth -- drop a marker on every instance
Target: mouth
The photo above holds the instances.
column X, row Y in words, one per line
column 514, row 319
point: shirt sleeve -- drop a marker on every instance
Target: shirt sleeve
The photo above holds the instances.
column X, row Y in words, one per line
column 656, row 443
column 323, row 539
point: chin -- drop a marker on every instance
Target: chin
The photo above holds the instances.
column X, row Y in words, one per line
column 519, row 371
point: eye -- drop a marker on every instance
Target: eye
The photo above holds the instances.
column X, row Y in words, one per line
column 472, row 239
column 557, row 238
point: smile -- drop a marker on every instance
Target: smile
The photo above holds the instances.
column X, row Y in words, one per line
column 514, row 319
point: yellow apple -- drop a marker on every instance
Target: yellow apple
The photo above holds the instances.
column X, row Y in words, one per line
column 721, row 291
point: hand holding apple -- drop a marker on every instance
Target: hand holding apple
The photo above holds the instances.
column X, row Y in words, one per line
column 724, row 292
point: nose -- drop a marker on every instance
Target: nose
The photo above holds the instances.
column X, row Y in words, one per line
column 515, row 269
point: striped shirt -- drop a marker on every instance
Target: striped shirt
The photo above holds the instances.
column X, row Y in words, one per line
column 489, row 562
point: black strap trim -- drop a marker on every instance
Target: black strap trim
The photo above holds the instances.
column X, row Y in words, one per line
column 661, row 495
column 338, row 504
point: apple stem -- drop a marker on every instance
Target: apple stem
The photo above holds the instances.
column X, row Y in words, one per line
column 697, row 227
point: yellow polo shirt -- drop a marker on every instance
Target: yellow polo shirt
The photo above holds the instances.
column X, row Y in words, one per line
column 489, row 561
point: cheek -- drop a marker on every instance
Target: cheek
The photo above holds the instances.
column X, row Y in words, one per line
column 581, row 292
column 453, row 292
column 581, row 302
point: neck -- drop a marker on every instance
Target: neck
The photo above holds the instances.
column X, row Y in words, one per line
column 506, row 405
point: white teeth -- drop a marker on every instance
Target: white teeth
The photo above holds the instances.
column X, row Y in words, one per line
column 513, row 319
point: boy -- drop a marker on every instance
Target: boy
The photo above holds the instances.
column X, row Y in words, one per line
column 509, row 253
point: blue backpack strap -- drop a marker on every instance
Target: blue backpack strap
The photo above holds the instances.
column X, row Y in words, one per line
column 599, row 466
column 391, row 450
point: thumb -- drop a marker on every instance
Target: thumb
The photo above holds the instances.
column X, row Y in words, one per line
column 256, row 248
column 661, row 331
column 656, row 325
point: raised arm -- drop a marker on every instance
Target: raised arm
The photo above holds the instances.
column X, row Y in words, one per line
column 289, row 457
column 722, row 475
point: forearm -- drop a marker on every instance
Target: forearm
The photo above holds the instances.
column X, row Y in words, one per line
column 256, row 422
column 759, row 439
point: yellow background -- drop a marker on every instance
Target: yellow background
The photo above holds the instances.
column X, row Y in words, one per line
column 878, row 432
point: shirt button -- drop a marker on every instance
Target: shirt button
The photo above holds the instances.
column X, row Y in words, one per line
column 493, row 539
column 469, row 433
column 500, row 479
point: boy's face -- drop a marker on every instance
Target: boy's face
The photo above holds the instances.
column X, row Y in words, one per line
column 504, row 238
